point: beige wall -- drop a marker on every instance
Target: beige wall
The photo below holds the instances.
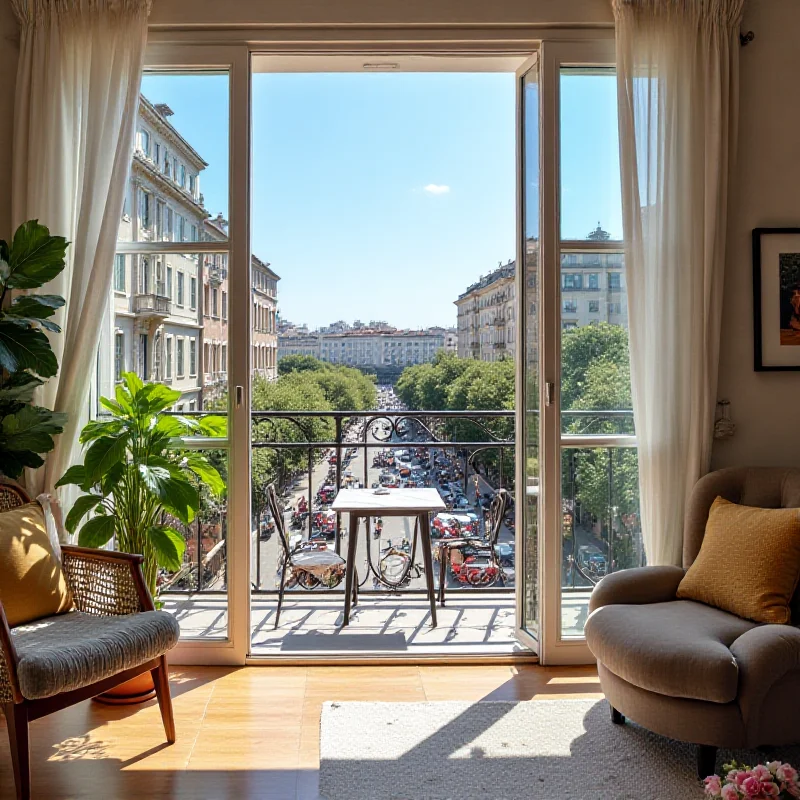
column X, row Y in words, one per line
column 377, row 12
column 764, row 405
column 9, row 51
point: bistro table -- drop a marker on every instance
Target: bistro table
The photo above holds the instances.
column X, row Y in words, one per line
column 367, row 503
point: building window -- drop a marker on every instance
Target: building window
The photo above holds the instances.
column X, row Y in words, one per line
column 614, row 281
column 594, row 306
column 206, row 301
column 179, row 357
column 193, row 184
column 568, row 326
column 193, row 405
column 144, row 142
column 570, row 306
column 144, row 209
column 143, row 356
column 224, row 305
column 571, row 280
column 193, row 234
column 179, row 299
column 157, row 153
column 192, row 357
column 193, row 293
column 144, row 276
column 181, row 228
column 183, row 176
column 175, row 169
column 224, row 358
column 169, row 282
column 166, row 162
column 119, row 272
column 119, row 355
column 594, row 280
column 214, row 303
column 168, row 359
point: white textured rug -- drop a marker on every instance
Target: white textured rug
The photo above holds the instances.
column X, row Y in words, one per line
column 537, row 750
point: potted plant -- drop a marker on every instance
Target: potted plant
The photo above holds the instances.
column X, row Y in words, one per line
column 33, row 258
column 135, row 476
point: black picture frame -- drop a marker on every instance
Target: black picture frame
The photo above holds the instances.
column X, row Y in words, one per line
column 759, row 364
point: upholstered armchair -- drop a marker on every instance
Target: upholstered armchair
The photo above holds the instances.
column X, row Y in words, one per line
column 690, row 671
column 113, row 634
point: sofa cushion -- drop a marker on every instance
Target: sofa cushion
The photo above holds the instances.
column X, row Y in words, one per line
column 749, row 562
column 70, row 651
column 32, row 583
column 678, row 649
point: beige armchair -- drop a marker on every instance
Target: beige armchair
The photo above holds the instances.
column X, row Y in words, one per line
column 690, row 671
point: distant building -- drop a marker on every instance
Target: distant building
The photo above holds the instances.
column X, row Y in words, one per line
column 265, row 324
column 382, row 349
column 486, row 316
column 592, row 290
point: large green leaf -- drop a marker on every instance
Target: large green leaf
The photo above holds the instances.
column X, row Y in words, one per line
column 207, row 473
column 214, row 425
column 154, row 477
column 110, row 480
column 96, row 531
column 96, row 428
column 178, row 496
column 35, row 257
column 35, row 306
column 169, row 426
column 24, row 347
column 31, row 428
column 133, row 383
column 155, row 397
column 80, row 509
column 12, row 463
column 103, row 454
column 74, row 476
column 169, row 546
column 113, row 407
column 19, row 388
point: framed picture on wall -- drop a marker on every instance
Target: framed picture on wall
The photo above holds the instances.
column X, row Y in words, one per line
column 776, row 299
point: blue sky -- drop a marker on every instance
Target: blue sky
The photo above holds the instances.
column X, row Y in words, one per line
column 382, row 196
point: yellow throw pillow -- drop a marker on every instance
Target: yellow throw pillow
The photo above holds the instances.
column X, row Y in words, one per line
column 749, row 562
column 32, row 583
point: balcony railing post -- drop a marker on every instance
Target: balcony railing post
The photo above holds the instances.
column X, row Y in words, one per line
column 338, row 439
column 199, row 555
column 610, row 510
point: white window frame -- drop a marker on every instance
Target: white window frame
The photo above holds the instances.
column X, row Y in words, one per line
column 180, row 288
column 180, row 357
column 192, row 357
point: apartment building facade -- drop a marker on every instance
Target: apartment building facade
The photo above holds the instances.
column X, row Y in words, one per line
column 168, row 319
column 486, row 314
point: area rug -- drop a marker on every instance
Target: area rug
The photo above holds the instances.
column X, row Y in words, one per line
column 535, row 750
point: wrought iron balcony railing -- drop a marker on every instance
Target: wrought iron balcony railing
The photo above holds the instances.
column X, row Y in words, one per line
column 152, row 304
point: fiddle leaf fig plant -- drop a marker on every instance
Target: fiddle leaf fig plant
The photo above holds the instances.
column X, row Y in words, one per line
column 33, row 258
column 134, row 476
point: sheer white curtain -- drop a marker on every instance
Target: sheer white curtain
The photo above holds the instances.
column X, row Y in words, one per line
column 677, row 68
column 77, row 96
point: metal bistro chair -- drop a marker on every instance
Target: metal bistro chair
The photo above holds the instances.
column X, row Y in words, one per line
column 306, row 568
column 486, row 569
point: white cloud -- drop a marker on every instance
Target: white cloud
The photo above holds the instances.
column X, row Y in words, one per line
column 436, row 188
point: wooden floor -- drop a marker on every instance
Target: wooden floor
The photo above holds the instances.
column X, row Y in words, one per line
column 245, row 733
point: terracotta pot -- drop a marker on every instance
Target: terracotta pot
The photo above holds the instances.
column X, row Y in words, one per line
column 136, row 690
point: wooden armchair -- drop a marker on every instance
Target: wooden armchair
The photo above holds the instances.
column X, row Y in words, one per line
column 114, row 634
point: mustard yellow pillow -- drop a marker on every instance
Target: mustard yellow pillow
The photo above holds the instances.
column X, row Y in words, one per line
column 32, row 583
column 749, row 562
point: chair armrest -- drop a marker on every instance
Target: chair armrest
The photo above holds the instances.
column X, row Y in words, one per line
column 9, row 686
column 637, row 586
column 105, row 582
column 764, row 655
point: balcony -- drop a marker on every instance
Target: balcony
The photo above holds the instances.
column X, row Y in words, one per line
column 152, row 305
column 466, row 455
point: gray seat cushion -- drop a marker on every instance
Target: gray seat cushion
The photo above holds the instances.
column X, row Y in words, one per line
column 678, row 649
column 70, row 651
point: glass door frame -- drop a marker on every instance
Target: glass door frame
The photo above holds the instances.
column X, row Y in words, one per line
column 235, row 60
column 552, row 647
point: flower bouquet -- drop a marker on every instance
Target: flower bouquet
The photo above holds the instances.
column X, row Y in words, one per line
column 762, row 782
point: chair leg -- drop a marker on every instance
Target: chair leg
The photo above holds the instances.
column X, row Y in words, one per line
column 443, row 558
column 280, row 596
column 706, row 760
column 17, row 722
column 616, row 717
column 161, row 681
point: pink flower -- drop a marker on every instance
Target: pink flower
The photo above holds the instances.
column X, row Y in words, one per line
column 730, row 792
column 738, row 776
column 751, row 786
column 761, row 772
column 713, row 785
column 770, row 789
column 786, row 772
